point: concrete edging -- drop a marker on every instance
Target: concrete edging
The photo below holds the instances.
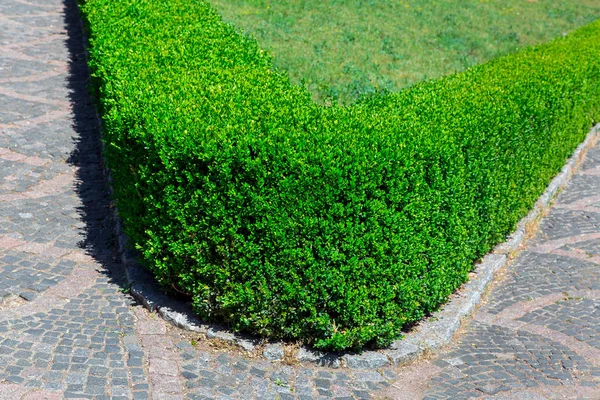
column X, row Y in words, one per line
column 430, row 334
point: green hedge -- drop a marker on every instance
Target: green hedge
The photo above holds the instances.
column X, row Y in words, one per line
column 338, row 226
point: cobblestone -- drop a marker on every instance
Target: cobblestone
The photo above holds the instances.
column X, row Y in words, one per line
column 575, row 317
column 542, row 274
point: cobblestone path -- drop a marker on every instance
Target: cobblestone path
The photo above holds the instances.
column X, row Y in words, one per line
column 68, row 328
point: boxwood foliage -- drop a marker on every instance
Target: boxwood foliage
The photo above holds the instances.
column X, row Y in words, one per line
column 335, row 225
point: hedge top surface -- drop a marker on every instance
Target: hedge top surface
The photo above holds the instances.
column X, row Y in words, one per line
column 335, row 225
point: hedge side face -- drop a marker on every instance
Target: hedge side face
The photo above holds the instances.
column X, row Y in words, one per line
column 337, row 226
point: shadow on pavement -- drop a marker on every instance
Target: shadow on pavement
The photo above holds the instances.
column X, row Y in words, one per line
column 92, row 184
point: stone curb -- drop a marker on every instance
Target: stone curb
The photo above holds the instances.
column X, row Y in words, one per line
column 430, row 334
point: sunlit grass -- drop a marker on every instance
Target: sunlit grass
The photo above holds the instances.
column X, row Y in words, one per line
column 342, row 49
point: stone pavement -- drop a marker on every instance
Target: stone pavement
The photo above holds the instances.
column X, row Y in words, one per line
column 68, row 328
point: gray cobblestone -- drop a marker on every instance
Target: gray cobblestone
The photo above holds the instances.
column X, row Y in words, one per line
column 543, row 274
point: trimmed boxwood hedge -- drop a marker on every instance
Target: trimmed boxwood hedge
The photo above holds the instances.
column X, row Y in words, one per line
column 335, row 225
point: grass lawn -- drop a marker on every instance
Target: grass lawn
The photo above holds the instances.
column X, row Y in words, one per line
column 343, row 49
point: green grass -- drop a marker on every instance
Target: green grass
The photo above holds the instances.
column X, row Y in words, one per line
column 346, row 48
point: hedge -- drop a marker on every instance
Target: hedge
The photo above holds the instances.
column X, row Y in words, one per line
column 337, row 226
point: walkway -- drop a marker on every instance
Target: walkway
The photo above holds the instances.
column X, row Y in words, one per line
column 68, row 329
